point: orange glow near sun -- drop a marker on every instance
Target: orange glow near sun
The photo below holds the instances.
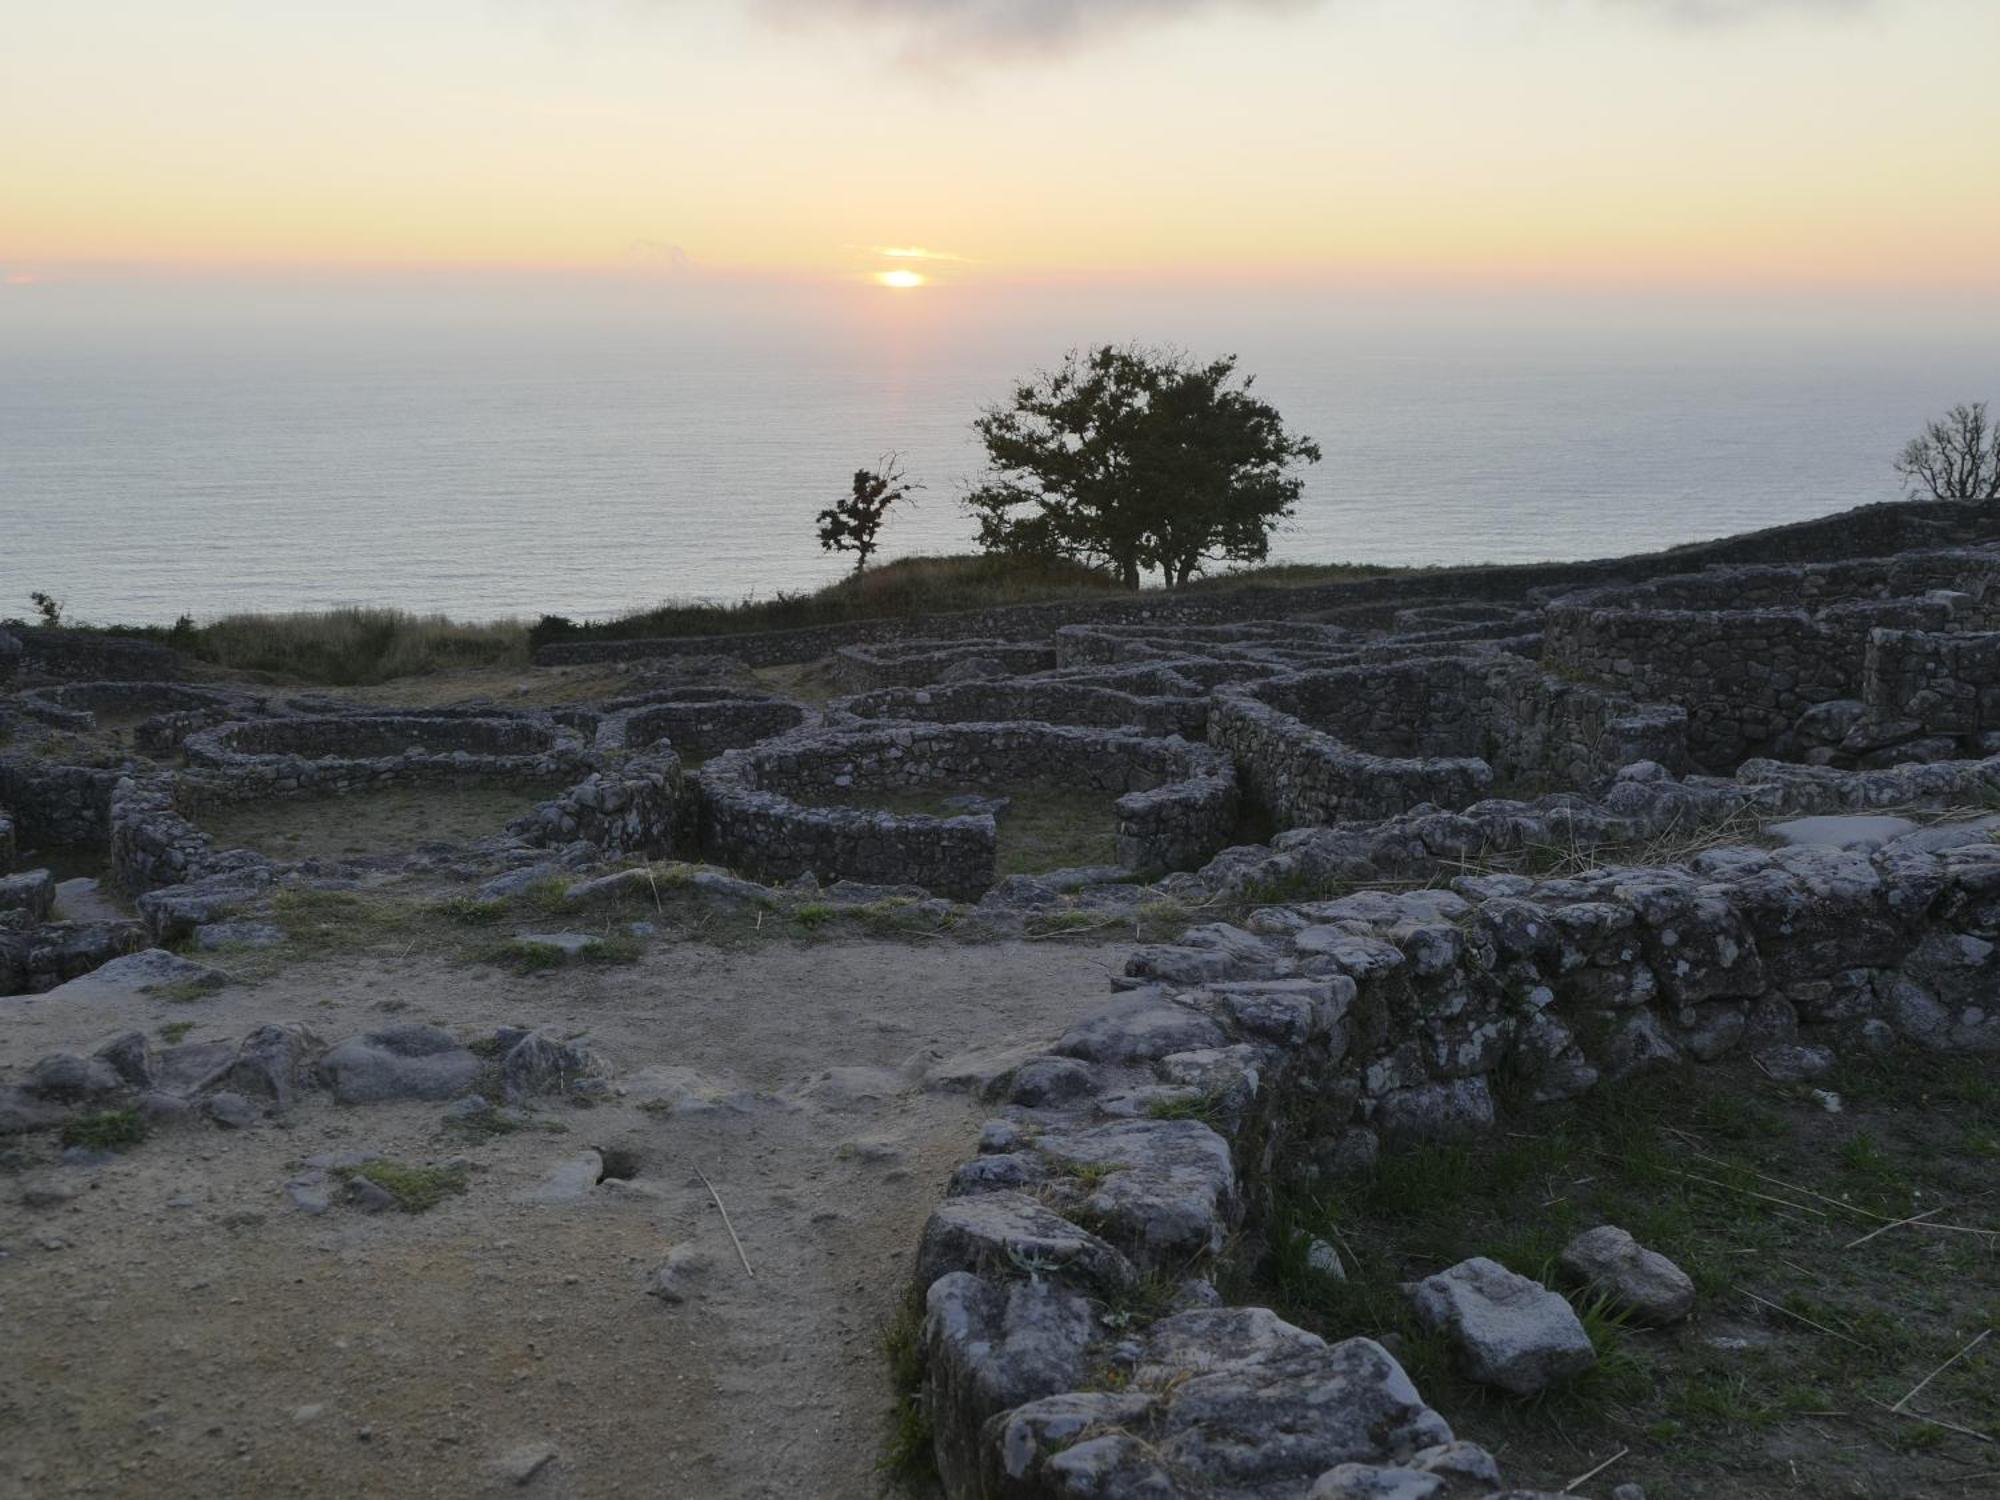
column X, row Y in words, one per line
column 901, row 281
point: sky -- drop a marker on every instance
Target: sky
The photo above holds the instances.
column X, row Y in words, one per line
column 1844, row 145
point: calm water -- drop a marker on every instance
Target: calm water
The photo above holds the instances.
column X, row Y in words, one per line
column 492, row 465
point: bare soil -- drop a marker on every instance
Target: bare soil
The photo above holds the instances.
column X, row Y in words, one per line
column 179, row 1327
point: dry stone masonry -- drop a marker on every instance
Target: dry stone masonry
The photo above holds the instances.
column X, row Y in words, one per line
column 1553, row 827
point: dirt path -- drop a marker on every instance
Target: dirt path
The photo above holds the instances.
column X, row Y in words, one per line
column 179, row 1327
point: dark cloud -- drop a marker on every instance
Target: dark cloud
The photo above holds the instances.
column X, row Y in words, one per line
column 1009, row 28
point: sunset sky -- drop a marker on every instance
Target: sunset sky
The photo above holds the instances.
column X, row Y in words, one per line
column 1837, row 143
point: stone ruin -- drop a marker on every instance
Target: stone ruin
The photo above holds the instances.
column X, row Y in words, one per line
column 1281, row 773
column 1864, row 663
column 764, row 810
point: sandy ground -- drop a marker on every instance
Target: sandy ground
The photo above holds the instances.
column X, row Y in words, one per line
column 179, row 1327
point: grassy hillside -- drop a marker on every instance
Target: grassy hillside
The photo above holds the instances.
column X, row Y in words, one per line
column 358, row 647
column 909, row 586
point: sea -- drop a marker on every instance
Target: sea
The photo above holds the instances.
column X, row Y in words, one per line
column 515, row 449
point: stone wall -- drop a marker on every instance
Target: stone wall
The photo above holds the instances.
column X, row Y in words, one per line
column 56, row 805
column 172, row 710
column 311, row 756
column 641, row 806
column 1176, row 802
column 860, row 669
column 1933, row 683
column 85, row 656
column 1750, row 651
column 153, row 843
column 1348, row 743
column 1043, row 700
column 1322, row 1033
column 9, row 841
column 700, row 726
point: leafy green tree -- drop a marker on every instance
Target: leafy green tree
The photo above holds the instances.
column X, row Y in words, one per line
column 1132, row 459
column 1955, row 457
column 852, row 524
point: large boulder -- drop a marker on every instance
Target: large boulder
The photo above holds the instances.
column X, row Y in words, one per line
column 66, row 1078
column 1235, row 1402
column 31, row 891
column 990, row 1346
column 273, row 1062
column 1509, row 1331
column 1140, row 1026
column 403, row 1062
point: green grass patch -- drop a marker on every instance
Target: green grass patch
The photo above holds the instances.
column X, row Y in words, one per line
column 106, row 1130
column 908, row 1455
column 470, row 911
column 182, row 991
column 613, row 948
column 527, row 956
column 415, row 1189
column 1759, row 1194
column 173, row 1033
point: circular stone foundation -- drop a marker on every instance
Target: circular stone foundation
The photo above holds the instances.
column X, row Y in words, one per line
column 861, row 669
column 1038, row 699
column 794, row 806
column 339, row 753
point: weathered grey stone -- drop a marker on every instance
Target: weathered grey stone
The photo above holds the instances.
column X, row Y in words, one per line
column 1509, row 1331
column 1458, row 1110
column 992, row 1346
column 1791, row 1063
column 674, row 1279
column 210, row 936
column 1159, row 1188
column 65, row 1078
column 1043, row 1081
column 1608, row 1262
column 31, row 891
column 273, row 1062
column 536, row 1063
column 1138, row 1027
column 231, row 1111
column 21, row 1112
column 402, row 1062
column 130, row 1055
column 1005, row 1233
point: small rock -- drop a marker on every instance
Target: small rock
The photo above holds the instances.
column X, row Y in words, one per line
column 1510, row 1332
column 309, row 1197
column 369, row 1197
column 1323, row 1260
column 1792, row 1063
column 130, row 1056
column 230, row 1111
column 211, row 936
column 519, row 1465
column 671, row 1278
column 571, row 1182
column 1609, row 1262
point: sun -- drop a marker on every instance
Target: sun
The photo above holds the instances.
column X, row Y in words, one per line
column 901, row 281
